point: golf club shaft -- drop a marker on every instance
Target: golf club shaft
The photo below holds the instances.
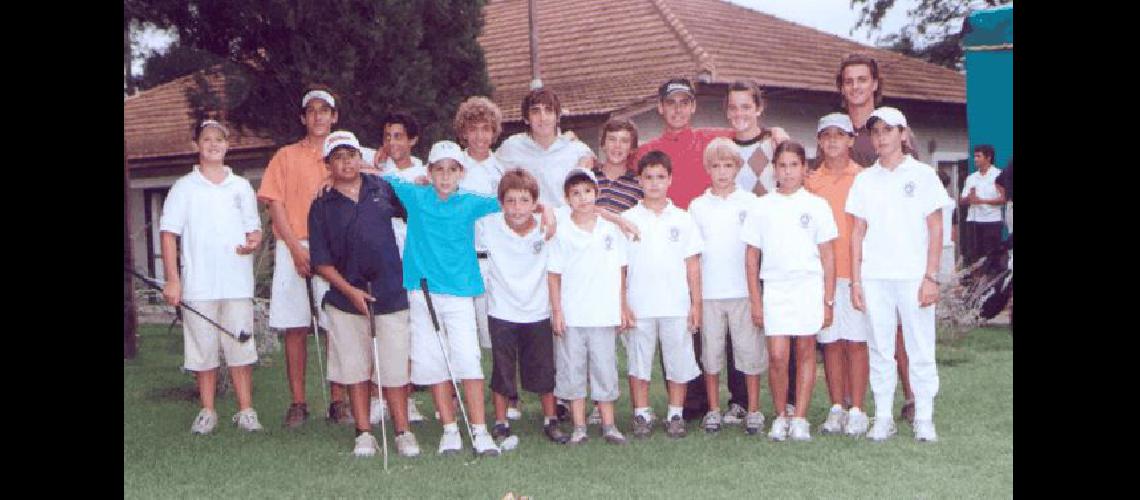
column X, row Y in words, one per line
column 447, row 361
column 154, row 284
column 376, row 367
column 313, row 325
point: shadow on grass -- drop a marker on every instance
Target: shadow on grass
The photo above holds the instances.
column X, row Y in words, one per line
column 168, row 394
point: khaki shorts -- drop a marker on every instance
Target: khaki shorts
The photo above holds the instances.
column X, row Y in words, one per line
column 202, row 341
column 350, row 348
column 749, row 351
column 288, row 300
column 586, row 357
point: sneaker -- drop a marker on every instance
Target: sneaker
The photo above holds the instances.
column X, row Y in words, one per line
column 377, row 410
column 711, row 422
column 595, row 417
column 907, row 411
column 406, row 445
column 753, row 422
column 365, row 445
column 800, row 430
column 642, row 427
column 562, row 410
column 414, row 415
column 578, row 436
column 834, row 422
column 296, row 415
column 484, row 445
column 205, row 422
column 779, row 430
column 513, row 413
column 675, row 427
column 734, row 415
column 246, row 420
column 613, row 436
column 339, row 413
column 450, row 443
column 856, row 423
column 882, row 429
column 924, row 431
column 500, row 431
column 554, row 433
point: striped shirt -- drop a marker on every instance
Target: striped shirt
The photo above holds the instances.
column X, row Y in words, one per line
column 617, row 195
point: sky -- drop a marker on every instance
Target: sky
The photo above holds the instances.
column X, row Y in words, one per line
column 831, row 16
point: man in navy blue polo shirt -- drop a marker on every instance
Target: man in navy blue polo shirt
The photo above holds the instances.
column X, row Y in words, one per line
column 352, row 245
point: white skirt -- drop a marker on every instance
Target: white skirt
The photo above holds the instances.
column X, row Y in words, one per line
column 793, row 306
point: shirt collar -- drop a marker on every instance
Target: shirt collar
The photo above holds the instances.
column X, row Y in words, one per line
column 202, row 178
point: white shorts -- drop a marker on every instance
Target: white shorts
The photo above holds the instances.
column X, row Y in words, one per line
column 676, row 349
column 481, row 306
column 793, row 307
column 749, row 351
column 456, row 317
column 586, row 357
column 287, row 301
column 350, row 348
column 201, row 340
column 847, row 323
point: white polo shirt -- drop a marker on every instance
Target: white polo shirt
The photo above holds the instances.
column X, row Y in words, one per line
column 550, row 166
column 656, row 279
column 788, row 229
column 517, row 289
column 722, row 261
column 986, row 188
column 895, row 205
column 212, row 220
column 746, row 179
column 590, row 264
column 481, row 176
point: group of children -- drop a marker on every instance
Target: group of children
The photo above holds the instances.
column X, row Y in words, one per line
column 568, row 259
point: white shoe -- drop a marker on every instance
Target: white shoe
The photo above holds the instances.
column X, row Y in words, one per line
column 595, row 417
column 377, row 409
column 753, row 422
column 484, row 445
column 734, row 415
column 513, row 414
column 406, row 445
column 414, row 414
column 834, row 422
column 924, row 431
column 801, row 430
column 365, row 445
column 857, row 422
column 882, row 429
column 779, row 431
column 247, row 420
column 205, row 422
column 450, row 442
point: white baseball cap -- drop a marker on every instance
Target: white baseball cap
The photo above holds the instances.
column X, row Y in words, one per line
column 443, row 150
column 340, row 138
column 889, row 115
column 318, row 94
column 839, row 120
column 213, row 123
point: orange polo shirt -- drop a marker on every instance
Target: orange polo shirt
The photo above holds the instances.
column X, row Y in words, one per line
column 834, row 189
column 293, row 176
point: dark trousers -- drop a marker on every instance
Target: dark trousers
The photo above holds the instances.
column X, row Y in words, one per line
column 987, row 237
column 696, row 398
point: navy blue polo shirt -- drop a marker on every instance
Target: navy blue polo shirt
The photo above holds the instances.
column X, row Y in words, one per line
column 356, row 238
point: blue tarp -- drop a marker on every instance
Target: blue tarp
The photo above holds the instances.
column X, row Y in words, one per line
column 988, row 42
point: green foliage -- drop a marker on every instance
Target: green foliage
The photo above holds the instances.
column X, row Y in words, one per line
column 934, row 32
column 419, row 56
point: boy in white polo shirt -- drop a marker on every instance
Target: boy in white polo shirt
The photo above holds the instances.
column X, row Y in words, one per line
column 720, row 214
column 985, row 199
column 664, row 294
column 586, row 272
column 896, row 244
column 793, row 230
column 518, row 304
column 214, row 212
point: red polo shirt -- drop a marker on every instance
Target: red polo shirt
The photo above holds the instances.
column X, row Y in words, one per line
column 686, row 149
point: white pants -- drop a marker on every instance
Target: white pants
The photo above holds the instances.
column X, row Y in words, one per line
column 889, row 301
column 457, row 326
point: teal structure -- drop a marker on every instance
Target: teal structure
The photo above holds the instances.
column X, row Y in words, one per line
column 988, row 43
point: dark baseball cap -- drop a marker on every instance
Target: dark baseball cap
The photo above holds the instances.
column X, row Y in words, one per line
column 676, row 85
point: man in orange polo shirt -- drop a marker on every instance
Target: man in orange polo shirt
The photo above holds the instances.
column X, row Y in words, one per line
column 289, row 186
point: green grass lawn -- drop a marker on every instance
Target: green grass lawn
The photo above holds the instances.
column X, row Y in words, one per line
column 974, row 459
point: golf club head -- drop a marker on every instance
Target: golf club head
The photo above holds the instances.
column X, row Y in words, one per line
column 243, row 336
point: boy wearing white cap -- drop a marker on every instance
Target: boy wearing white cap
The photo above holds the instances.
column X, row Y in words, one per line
column 896, row 244
column 664, row 294
column 441, row 250
column 288, row 187
column 354, row 248
column 214, row 212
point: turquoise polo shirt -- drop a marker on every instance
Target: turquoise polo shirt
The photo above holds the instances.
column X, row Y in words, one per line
column 441, row 237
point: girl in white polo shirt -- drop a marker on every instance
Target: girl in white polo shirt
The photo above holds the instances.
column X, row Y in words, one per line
column 214, row 212
column 793, row 229
column 896, row 244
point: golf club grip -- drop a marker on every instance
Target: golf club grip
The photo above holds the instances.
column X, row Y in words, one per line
column 309, row 292
column 431, row 309
column 153, row 284
column 371, row 318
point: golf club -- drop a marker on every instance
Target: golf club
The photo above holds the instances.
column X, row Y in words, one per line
column 317, row 333
column 242, row 336
column 447, row 361
column 376, row 368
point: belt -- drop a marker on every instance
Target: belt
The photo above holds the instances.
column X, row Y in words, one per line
column 481, row 255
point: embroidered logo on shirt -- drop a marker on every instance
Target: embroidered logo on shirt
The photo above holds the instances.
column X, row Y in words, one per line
column 674, row 234
column 805, row 219
column 742, row 215
column 537, row 247
column 609, row 241
column 909, row 189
